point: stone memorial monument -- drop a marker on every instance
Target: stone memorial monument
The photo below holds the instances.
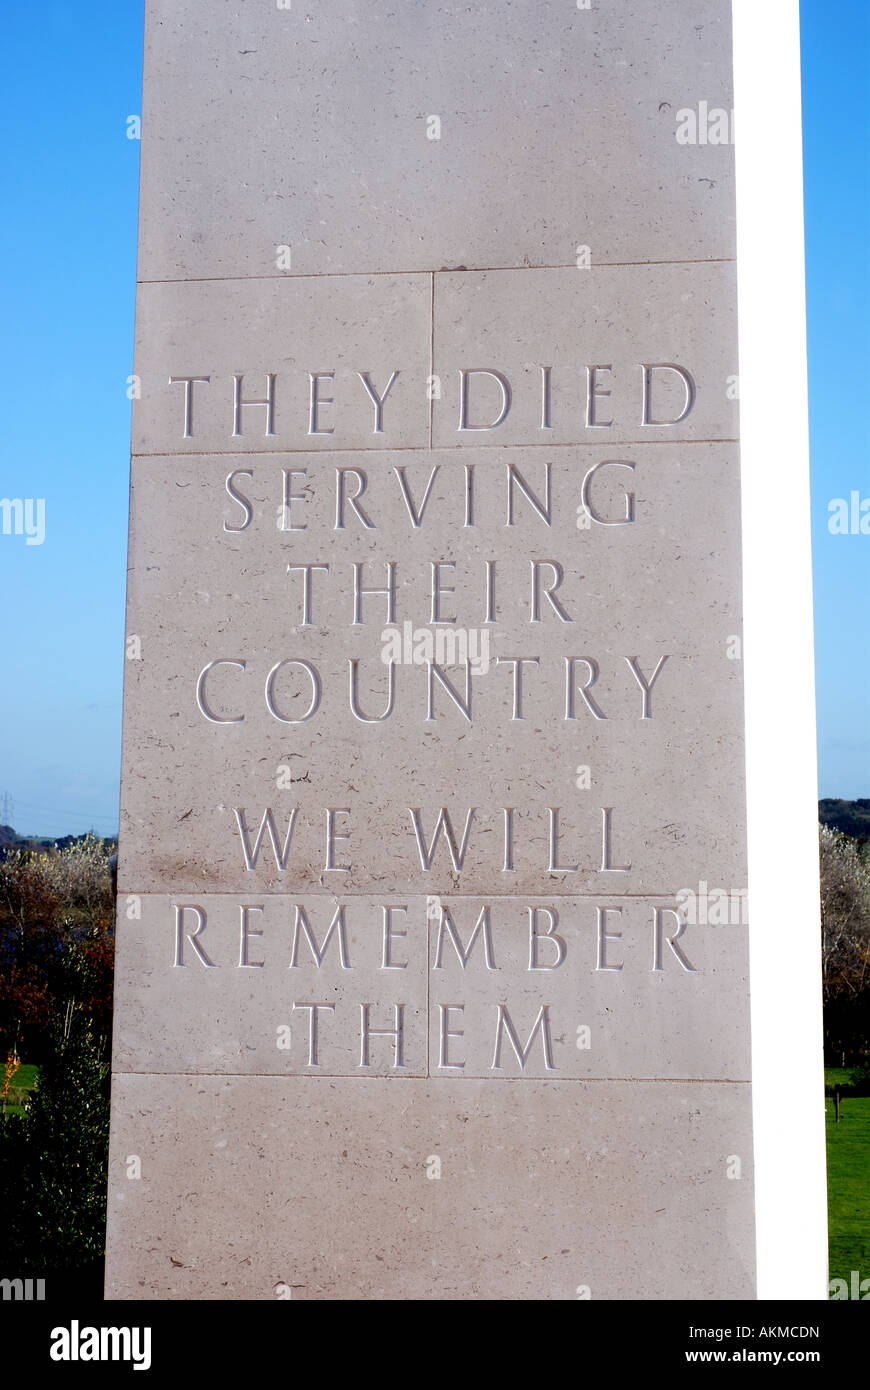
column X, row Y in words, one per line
column 432, row 965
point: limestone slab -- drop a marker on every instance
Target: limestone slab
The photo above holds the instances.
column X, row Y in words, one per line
column 310, row 128
column 607, row 341
column 299, row 352
column 517, row 988
column 432, row 924
column 276, row 985
column 296, row 1189
column 652, row 595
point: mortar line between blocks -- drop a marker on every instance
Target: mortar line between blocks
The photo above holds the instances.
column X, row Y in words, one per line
column 422, row 448
column 468, row 895
column 386, row 1076
column 443, row 270
column 431, row 356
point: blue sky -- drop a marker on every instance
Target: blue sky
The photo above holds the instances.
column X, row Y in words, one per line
column 72, row 76
column 836, row 76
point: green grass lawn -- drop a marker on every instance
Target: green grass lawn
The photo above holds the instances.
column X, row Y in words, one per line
column 848, row 1186
column 24, row 1080
column 838, row 1076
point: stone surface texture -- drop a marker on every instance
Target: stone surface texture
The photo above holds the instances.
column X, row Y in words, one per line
column 432, row 972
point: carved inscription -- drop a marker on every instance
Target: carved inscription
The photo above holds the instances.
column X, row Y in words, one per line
column 449, row 986
column 661, row 394
column 419, row 610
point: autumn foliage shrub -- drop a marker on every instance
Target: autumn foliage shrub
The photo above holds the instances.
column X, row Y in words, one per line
column 56, row 943
column 56, row 965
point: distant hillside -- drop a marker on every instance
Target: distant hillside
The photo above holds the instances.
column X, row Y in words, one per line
column 10, row 841
column 852, row 817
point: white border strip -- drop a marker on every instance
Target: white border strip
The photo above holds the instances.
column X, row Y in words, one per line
column 782, row 788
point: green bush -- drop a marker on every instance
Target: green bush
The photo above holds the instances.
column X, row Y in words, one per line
column 53, row 1159
column 859, row 1081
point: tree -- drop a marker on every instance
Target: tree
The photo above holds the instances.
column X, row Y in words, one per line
column 845, row 881
column 56, row 921
column 53, row 1159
